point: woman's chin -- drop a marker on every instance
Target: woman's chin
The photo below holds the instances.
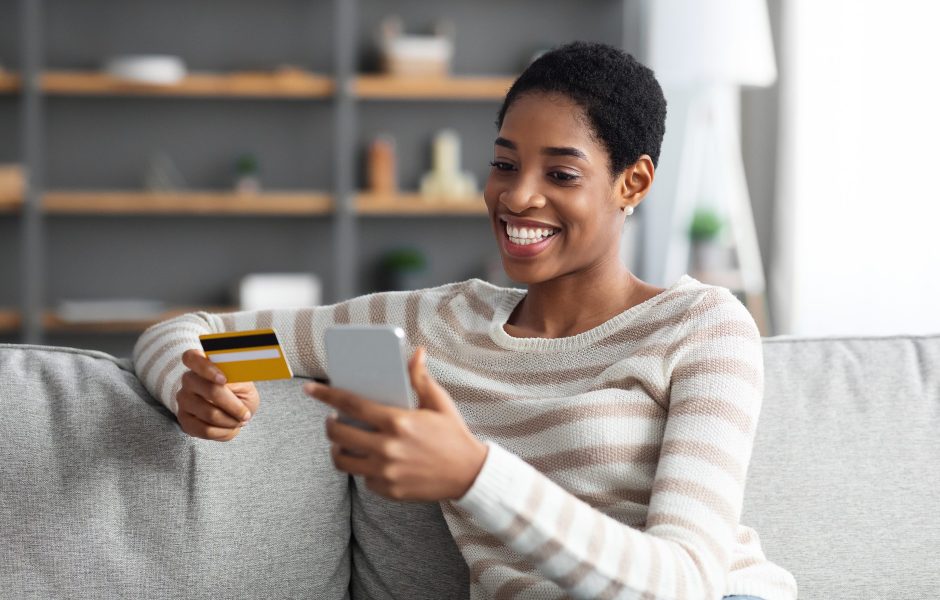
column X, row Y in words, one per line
column 523, row 275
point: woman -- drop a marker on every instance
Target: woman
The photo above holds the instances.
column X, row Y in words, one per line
column 589, row 436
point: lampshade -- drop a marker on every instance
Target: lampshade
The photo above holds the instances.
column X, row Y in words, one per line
column 700, row 42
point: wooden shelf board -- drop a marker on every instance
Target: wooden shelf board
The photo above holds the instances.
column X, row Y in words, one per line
column 249, row 84
column 54, row 324
column 466, row 87
column 416, row 205
column 10, row 204
column 9, row 83
column 9, row 320
column 195, row 203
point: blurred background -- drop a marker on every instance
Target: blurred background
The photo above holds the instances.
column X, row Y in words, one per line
column 162, row 157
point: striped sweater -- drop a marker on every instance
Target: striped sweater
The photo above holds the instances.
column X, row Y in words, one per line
column 617, row 457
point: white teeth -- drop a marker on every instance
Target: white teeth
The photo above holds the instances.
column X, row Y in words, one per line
column 524, row 236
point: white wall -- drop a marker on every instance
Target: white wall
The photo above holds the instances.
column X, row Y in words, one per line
column 858, row 201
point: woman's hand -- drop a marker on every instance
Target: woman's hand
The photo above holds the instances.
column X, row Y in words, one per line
column 424, row 454
column 208, row 407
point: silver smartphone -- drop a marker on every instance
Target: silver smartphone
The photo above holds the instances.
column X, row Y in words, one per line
column 368, row 360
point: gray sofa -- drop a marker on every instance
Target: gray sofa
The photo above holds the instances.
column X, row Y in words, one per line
column 102, row 496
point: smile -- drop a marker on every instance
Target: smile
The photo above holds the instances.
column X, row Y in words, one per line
column 526, row 241
column 528, row 235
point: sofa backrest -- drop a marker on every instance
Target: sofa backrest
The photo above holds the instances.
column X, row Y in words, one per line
column 844, row 483
column 102, row 495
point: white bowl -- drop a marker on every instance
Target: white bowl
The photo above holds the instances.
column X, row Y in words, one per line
column 153, row 69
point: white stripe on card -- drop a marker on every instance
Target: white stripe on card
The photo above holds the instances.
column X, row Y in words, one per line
column 225, row 357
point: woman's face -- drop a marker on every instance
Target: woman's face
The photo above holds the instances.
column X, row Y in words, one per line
column 554, row 207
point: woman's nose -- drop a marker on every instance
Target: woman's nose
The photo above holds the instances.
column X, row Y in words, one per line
column 521, row 195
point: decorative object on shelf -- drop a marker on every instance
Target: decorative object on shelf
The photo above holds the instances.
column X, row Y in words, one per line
column 709, row 255
column 148, row 69
column 114, row 309
column 258, row 291
column 710, row 48
column 416, row 55
column 162, row 175
column 445, row 181
column 12, row 184
column 382, row 165
column 247, row 175
column 403, row 269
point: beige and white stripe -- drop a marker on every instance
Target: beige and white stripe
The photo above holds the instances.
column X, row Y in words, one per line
column 617, row 457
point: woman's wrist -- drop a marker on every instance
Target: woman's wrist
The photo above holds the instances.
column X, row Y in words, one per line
column 476, row 457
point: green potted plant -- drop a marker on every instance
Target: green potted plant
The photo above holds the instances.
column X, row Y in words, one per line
column 403, row 269
column 707, row 253
column 247, row 174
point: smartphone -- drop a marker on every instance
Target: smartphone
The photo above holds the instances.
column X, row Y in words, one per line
column 368, row 360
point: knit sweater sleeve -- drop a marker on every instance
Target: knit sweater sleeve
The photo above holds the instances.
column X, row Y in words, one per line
column 715, row 371
column 158, row 352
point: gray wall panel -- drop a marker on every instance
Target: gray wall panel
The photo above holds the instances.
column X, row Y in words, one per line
column 455, row 248
column 208, row 35
column 495, row 36
column 9, row 36
column 108, row 142
column 9, row 129
column 184, row 260
column 9, row 261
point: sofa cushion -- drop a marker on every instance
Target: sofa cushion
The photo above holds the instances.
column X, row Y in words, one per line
column 104, row 496
column 403, row 550
column 843, row 484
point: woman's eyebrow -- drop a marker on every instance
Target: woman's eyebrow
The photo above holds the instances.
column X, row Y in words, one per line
column 564, row 151
column 548, row 151
column 501, row 141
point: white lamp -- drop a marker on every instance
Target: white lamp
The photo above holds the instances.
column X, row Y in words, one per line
column 703, row 42
column 710, row 48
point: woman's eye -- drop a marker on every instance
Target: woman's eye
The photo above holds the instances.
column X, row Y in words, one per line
column 501, row 165
column 562, row 176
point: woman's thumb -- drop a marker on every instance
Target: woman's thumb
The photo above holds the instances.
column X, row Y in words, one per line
column 430, row 394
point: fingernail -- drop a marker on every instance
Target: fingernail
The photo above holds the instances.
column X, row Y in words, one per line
column 220, row 378
column 247, row 417
column 310, row 387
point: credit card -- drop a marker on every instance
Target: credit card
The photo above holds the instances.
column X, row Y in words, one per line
column 253, row 355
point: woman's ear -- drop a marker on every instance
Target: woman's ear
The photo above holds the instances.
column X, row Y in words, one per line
column 635, row 181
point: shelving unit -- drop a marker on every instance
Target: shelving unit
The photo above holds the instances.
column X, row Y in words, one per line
column 323, row 108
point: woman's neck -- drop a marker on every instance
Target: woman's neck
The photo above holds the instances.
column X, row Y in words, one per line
column 573, row 304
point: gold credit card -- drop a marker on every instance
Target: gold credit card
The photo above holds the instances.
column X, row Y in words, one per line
column 253, row 355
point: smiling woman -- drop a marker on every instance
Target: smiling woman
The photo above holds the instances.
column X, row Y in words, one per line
column 588, row 436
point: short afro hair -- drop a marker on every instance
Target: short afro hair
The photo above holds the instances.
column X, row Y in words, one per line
column 623, row 101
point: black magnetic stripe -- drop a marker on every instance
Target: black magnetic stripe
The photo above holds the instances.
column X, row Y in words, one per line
column 240, row 341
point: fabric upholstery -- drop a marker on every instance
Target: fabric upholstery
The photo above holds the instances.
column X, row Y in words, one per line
column 843, row 485
column 103, row 496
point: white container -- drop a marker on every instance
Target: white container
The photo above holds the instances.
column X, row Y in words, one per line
column 152, row 69
column 259, row 291
column 418, row 55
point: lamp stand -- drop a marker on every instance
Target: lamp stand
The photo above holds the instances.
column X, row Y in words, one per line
column 712, row 130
